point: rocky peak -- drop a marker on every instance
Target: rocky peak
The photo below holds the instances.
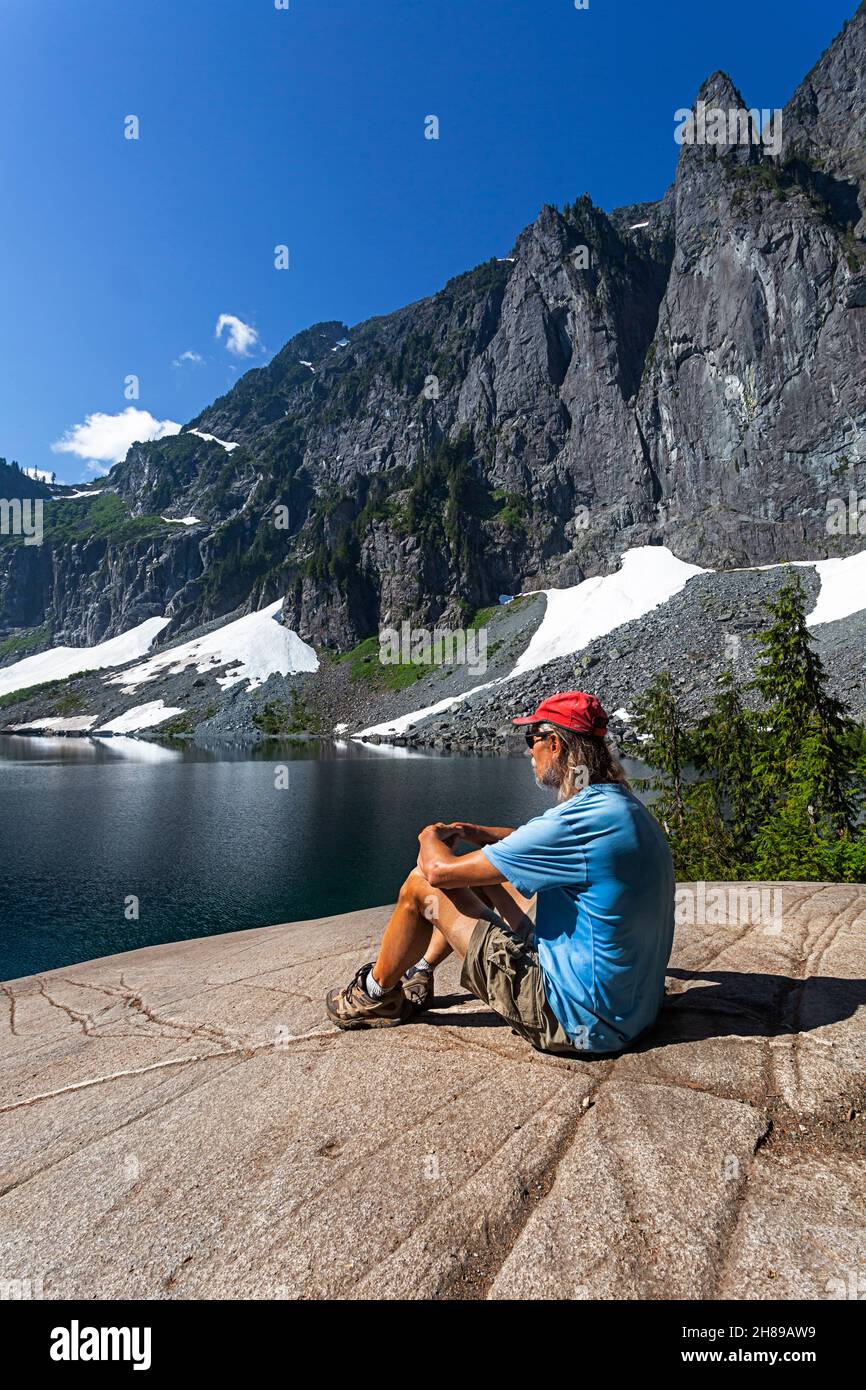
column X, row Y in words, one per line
column 717, row 128
column 824, row 123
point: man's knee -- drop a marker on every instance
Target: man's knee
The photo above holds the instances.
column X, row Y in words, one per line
column 417, row 892
column 414, row 886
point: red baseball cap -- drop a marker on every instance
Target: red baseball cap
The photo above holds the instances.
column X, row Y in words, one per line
column 572, row 710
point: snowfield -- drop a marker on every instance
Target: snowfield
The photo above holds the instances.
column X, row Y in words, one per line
column 255, row 647
column 649, row 575
column 402, row 722
column 61, row 662
column 183, row 520
column 139, row 717
column 843, row 589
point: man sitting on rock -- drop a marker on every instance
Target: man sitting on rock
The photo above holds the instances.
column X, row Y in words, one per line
column 565, row 925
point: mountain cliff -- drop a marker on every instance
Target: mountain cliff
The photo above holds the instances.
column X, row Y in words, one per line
column 689, row 373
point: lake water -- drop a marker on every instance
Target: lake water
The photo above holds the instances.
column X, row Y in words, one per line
column 212, row 841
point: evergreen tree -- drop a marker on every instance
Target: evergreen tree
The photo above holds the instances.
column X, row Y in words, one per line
column 787, row 845
column 807, row 729
column 782, row 790
column 725, row 747
column 701, row 844
column 659, row 719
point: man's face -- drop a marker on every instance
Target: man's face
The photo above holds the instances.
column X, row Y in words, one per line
column 544, row 751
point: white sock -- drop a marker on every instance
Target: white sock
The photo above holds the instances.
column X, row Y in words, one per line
column 422, row 964
column 374, row 990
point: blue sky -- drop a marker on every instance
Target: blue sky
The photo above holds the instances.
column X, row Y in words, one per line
column 305, row 127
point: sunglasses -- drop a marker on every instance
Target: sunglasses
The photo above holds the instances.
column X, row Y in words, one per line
column 532, row 738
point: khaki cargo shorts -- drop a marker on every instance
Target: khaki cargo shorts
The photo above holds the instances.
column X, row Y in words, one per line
column 501, row 967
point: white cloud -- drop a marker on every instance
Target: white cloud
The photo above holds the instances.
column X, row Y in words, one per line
column 241, row 338
column 38, row 473
column 195, row 358
column 105, row 439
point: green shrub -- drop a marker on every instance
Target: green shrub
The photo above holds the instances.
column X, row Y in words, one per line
column 25, row 642
column 277, row 718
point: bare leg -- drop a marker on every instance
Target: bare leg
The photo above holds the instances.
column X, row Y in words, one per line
column 420, row 910
column 424, row 913
column 438, row 950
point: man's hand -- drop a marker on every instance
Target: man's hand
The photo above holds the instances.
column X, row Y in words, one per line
column 436, row 834
column 442, row 868
column 432, row 834
column 473, row 834
column 452, row 831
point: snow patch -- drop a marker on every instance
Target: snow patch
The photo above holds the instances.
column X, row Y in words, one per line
column 255, row 647
column 139, row 717
column 843, row 589
column 78, row 724
column 62, row 662
column 402, row 722
column 648, row 576
column 184, row 520
column 213, row 439
column 843, row 586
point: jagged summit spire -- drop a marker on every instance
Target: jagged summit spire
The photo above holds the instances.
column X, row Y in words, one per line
column 720, row 89
column 719, row 121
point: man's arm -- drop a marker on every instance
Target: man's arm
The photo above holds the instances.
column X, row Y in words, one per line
column 442, row 868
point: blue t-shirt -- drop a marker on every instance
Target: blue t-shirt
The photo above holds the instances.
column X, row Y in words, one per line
column 604, row 921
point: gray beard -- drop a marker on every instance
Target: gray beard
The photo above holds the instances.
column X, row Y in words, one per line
column 550, row 778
